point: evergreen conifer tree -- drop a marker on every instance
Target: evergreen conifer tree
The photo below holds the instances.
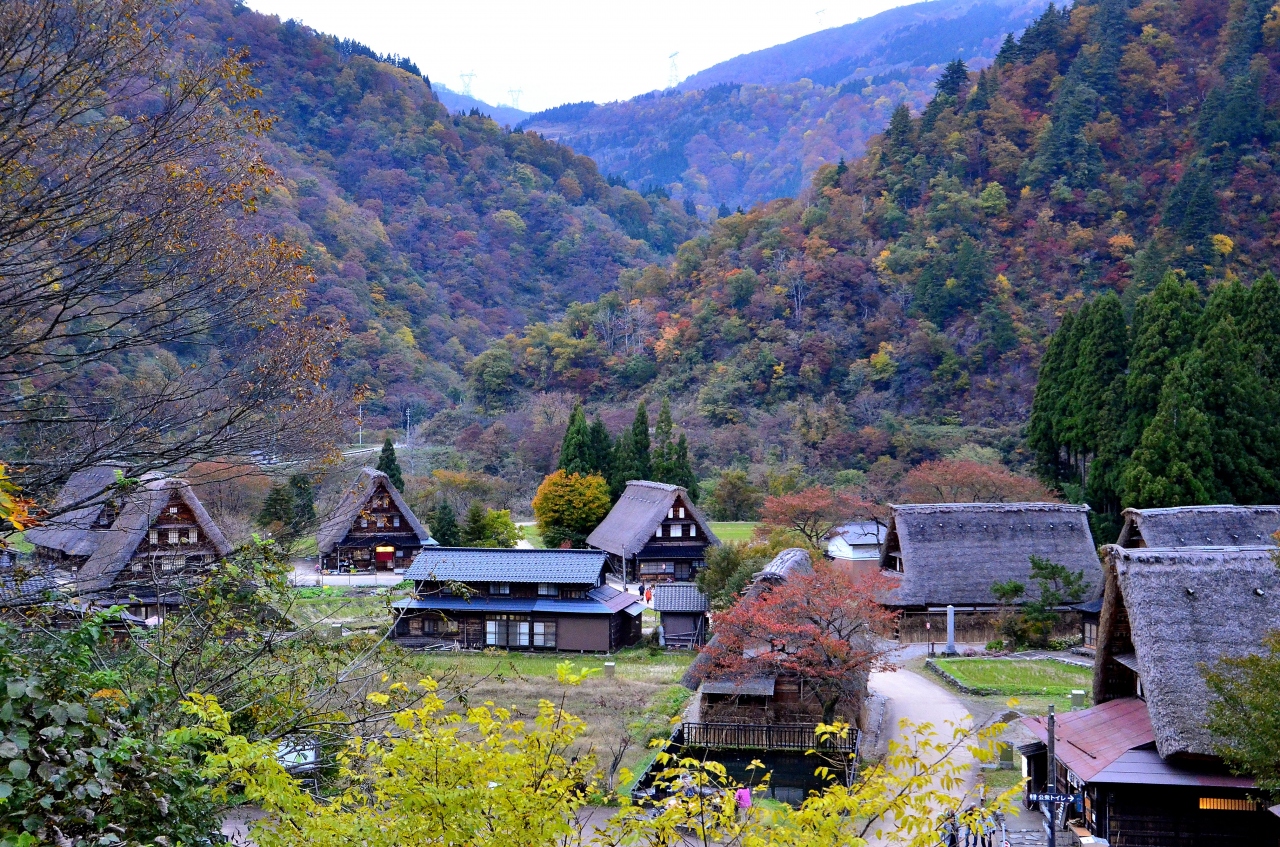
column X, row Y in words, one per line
column 900, row 136
column 304, row 501
column 664, row 449
column 631, row 458
column 954, row 79
column 575, row 450
column 1164, row 329
column 444, row 525
column 1044, row 431
column 1008, row 51
column 388, row 464
column 1173, row 465
column 683, row 474
column 474, row 528
column 640, row 443
column 1261, row 329
column 601, row 448
column 277, row 508
column 1098, row 401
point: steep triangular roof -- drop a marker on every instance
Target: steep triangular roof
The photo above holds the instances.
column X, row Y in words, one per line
column 634, row 518
column 1200, row 526
column 952, row 553
column 76, row 511
column 1185, row 608
column 355, row 500
column 138, row 512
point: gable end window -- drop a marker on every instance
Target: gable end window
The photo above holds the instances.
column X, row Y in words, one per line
column 693, row 530
column 395, row 521
column 155, row 536
column 676, row 530
column 193, row 535
column 682, row 511
column 173, row 536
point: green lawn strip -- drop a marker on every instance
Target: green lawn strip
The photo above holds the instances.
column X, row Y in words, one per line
column 17, row 542
column 533, row 537
column 633, row 663
column 733, row 530
column 1013, row 677
column 305, row 547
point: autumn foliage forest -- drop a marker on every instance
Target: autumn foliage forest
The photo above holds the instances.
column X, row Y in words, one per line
column 895, row 312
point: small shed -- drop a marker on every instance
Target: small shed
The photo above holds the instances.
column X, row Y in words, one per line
column 371, row 528
column 856, row 546
column 684, row 613
column 1142, row 760
column 1200, row 526
column 654, row 533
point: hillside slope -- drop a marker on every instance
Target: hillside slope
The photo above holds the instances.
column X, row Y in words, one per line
column 430, row 233
column 456, row 101
column 913, row 291
column 757, row 127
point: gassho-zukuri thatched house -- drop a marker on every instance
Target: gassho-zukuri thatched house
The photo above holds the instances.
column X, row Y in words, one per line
column 371, row 528
column 1141, row 759
column 515, row 599
column 137, row 546
column 654, row 533
column 758, row 698
column 1200, row 526
column 945, row 554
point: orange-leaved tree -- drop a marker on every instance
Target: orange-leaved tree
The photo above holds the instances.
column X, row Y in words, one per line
column 569, row 506
column 820, row 627
column 964, row 481
column 815, row 511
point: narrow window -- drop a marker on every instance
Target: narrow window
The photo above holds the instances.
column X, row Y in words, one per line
column 173, row 536
column 155, row 536
column 693, row 530
column 522, row 634
column 671, row 513
column 491, row 632
column 381, row 521
column 682, row 511
column 395, row 521
column 658, row 534
column 364, row 523
column 193, row 535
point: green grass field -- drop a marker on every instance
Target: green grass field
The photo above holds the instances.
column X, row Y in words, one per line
column 733, row 530
column 531, row 535
column 1012, row 677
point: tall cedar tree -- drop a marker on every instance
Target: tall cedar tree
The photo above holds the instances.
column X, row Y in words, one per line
column 444, row 525
column 631, row 459
column 304, row 500
column 474, row 527
column 1173, row 465
column 601, row 449
column 389, row 465
column 1164, row 329
column 575, row 450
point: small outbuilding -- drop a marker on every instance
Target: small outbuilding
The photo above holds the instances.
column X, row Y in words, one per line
column 684, row 613
column 951, row 554
column 856, row 546
column 515, row 599
column 1200, row 526
column 1142, row 762
column 371, row 528
column 654, row 533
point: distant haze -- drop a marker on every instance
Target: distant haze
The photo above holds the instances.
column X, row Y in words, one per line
column 564, row 51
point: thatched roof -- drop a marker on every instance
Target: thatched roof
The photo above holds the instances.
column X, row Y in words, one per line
column 1200, row 526
column 1187, row 607
column 355, row 500
column 139, row 509
column 635, row 517
column 952, row 553
column 74, row 531
column 791, row 561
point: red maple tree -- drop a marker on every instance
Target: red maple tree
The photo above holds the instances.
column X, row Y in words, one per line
column 821, row 628
column 962, row 481
column 815, row 511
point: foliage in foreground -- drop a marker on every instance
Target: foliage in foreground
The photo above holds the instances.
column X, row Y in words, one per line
column 488, row 778
column 1246, row 713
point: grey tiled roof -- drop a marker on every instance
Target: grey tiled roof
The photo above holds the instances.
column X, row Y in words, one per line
column 473, row 564
column 679, row 597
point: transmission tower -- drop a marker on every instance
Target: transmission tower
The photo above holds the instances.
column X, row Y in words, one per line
column 819, row 14
column 675, row 73
column 466, row 81
column 515, row 96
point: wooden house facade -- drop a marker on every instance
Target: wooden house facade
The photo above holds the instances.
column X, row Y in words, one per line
column 1141, row 761
column 140, row 547
column 372, row 528
column 950, row 554
column 476, row 598
column 653, row 534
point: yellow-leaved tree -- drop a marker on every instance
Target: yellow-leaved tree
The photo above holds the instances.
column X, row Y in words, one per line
column 568, row 506
column 486, row 778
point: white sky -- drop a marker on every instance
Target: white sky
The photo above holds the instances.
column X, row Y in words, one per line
column 563, row 51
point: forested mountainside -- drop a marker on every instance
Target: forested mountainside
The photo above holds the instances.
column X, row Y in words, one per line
column 456, row 101
column 917, row 286
column 430, row 233
column 757, row 127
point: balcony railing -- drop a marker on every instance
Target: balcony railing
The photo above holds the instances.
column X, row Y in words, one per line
column 725, row 736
